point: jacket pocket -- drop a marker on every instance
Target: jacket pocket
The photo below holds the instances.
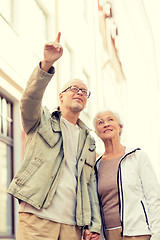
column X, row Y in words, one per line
column 88, row 163
column 29, row 171
column 92, row 145
column 144, row 210
column 50, row 136
column 91, row 155
column 88, row 167
column 90, row 160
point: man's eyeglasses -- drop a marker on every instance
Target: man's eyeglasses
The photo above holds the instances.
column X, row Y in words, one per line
column 85, row 92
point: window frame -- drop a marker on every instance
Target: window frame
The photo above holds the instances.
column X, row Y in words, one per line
column 8, row 140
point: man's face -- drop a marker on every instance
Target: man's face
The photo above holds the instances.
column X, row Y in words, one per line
column 72, row 100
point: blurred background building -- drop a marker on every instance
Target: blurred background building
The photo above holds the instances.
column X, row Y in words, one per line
column 112, row 45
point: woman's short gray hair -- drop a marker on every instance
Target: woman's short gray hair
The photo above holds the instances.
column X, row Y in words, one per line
column 114, row 113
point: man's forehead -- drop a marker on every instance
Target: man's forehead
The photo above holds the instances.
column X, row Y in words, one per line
column 75, row 82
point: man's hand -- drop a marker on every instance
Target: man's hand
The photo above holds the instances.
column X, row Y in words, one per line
column 90, row 235
column 95, row 236
column 52, row 52
column 87, row 235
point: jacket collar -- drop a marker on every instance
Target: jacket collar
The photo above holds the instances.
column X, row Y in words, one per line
column 128, row 151
column 57, row 114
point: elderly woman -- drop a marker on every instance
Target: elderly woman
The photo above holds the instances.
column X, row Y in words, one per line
column 129, row 192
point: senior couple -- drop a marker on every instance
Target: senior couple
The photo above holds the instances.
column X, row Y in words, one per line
column 64, row 193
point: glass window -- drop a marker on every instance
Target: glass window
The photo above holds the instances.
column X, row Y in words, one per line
column 5, row 118
column 67, row 64
column 33, row 25
column 6, row 166
column 86, row 80
column 6, row 9
column 84, row 8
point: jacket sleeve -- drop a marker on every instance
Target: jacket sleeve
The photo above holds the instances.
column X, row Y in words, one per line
column 95, row 209
column 31, row 100
column 151, row 189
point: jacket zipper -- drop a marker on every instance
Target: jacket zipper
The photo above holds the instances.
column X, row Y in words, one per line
column 120, row 189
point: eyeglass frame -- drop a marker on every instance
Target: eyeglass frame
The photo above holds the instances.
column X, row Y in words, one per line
column 79, row 89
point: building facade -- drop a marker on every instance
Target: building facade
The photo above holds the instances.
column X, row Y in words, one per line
column 102, row 46
column 131, row 50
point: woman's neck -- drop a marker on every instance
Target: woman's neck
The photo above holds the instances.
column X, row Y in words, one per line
column 113, row 149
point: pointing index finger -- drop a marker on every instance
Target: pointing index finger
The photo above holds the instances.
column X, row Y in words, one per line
column 58, row 37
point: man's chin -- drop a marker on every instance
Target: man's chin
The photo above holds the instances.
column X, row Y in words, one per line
column 77, row 108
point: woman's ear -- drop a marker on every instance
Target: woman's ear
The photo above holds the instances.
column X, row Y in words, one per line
column 95, row 130
column 120, row 129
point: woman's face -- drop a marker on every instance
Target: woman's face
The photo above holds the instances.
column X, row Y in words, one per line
column 107, row 126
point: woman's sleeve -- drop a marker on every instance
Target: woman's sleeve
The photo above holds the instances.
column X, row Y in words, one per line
column 151, row 189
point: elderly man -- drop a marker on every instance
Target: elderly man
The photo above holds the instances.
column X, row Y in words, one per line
column 55, row 184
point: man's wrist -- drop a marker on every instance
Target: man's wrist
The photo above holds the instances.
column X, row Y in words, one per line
column 50, row 69
column 45, row 66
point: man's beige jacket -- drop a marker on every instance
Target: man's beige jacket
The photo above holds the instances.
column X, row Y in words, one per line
column 39, row 174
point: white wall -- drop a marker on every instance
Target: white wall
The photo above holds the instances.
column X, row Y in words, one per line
column 138, row 99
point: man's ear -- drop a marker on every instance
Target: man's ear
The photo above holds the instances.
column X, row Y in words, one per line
column 61, row 97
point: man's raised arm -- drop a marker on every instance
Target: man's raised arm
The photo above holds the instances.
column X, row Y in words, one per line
column 31, row 102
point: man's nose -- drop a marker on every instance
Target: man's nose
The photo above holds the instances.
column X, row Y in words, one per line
column 80, row 91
